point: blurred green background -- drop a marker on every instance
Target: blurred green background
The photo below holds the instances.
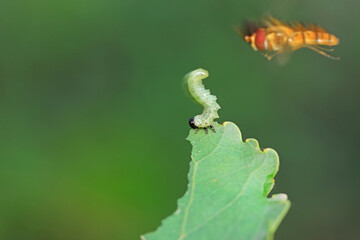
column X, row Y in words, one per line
column 94, row 120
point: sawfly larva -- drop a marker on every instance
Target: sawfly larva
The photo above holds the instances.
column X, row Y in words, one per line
column 202, row 96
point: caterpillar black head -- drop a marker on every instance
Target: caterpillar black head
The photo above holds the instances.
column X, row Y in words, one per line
column 192, row 123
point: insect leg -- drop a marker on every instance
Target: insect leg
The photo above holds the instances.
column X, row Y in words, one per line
column 323, row 48
column 322, row 53
column 266, row 55
column 270, row 56
column 206, row 130
column 213, row 128
column 196, row 131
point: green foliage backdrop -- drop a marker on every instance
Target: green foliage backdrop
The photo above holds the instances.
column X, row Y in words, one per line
column 93, row 119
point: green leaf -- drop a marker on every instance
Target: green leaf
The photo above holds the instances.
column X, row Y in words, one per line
column 226, row 199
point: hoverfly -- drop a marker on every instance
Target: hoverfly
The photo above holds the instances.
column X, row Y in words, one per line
column 276, row 37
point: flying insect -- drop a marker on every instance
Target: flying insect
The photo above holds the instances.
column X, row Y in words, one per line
column 275, row 37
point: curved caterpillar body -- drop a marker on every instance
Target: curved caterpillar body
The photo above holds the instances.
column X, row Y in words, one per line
column 202, row 96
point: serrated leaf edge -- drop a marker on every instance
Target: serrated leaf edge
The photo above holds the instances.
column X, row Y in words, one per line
column 272, row 225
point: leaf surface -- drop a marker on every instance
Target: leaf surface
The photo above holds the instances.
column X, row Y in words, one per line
column 226, row 199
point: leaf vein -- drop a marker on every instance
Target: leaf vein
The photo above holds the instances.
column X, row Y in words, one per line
column 232, row 201
column 186, row 213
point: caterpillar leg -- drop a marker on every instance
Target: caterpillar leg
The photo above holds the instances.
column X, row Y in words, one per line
column 206, row 130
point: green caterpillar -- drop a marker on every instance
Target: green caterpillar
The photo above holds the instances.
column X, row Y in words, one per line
column 202, row 96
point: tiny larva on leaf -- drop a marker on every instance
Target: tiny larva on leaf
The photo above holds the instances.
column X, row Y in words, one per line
column 203, row 97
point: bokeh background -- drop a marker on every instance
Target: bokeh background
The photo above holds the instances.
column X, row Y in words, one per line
column 93, row 118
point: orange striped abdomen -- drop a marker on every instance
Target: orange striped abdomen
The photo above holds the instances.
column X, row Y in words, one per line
column 301, row 38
